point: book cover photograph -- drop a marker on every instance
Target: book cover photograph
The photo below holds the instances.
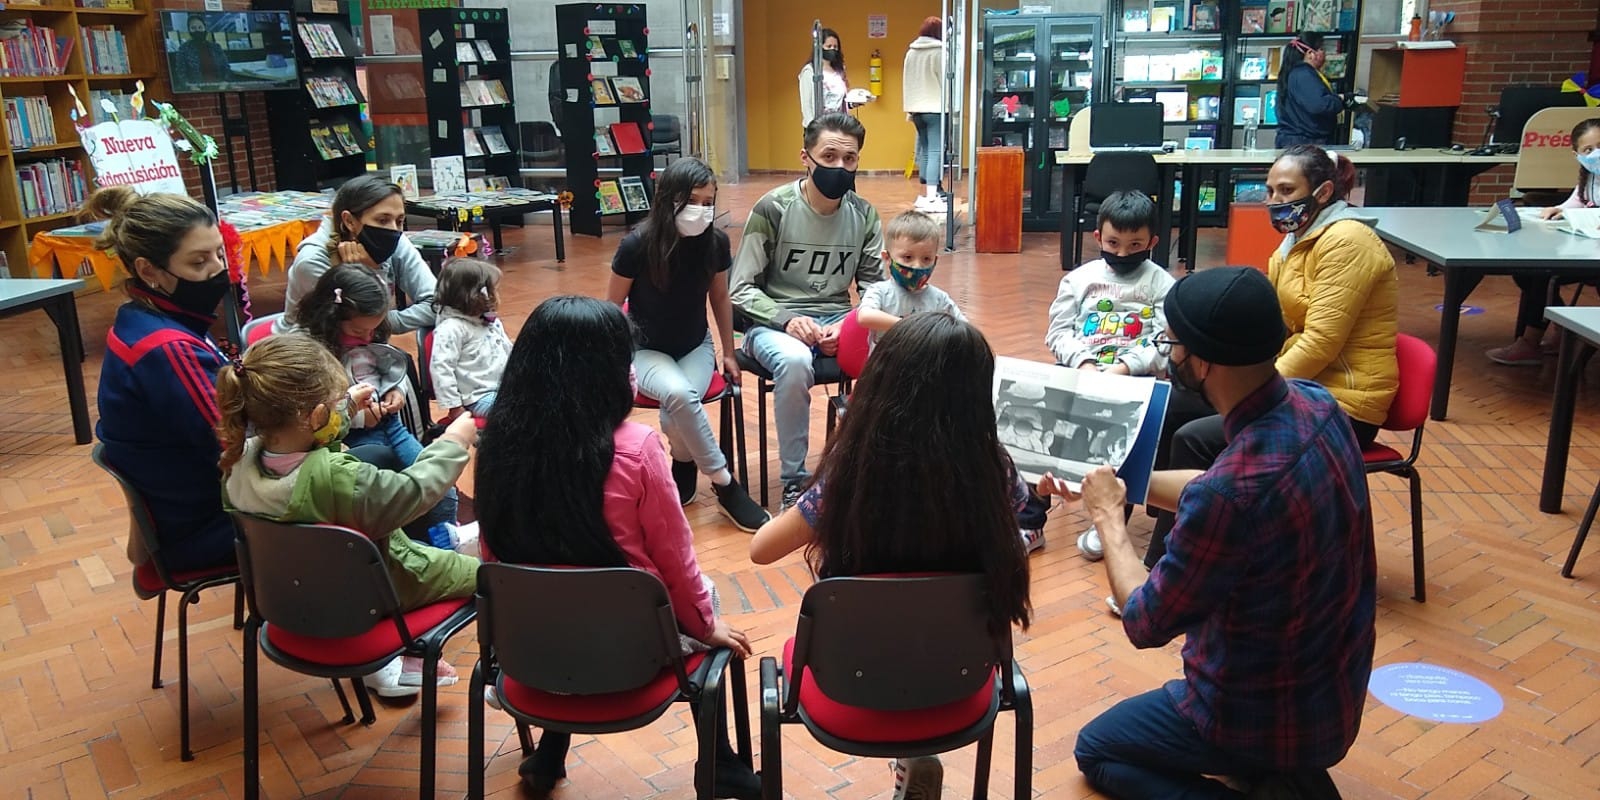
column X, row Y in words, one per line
column 628, row 89
column 405, row 177
column 470, row 143
column 633, row 194
column 602, row 143
column 1067, row 422
column 611, row 198
column 494, row 139
column 602, row 92
column 449, row 174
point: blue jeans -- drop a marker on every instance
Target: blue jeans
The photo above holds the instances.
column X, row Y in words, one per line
column 930, row 146
column 677, row 384
column 392, row 433
column 481, row 406
column 790, row 362
column 1142, row 747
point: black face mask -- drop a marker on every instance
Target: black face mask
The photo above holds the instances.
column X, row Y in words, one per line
column 200, row 298
column 1183, row 376
column 1122, row 265
column 832, row 56
column 380, row 242
column 198, row 36
column 832, row 182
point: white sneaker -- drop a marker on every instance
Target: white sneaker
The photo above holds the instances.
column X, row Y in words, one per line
column 1111, row 605
column 1089, row 545
column 386, row 681
column 467, row 540
column 928, row 204
column 920, row 778
column 1032, row 539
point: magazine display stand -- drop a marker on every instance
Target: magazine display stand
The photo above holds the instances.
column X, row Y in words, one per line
column 466, row 66
column 605, row 120
column 318, row 136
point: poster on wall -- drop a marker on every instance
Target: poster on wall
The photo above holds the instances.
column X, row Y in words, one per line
column 877, row 26
column 136, row 153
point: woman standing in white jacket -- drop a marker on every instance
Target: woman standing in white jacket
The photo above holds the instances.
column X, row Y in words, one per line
column 924, row 104
column 834, row 83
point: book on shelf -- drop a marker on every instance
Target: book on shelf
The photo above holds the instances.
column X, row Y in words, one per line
column 1187, row 66
column 1174, row 105
column 1317, row 15
column 322, row 139
column 477, row 185
column 602, row 143
column 27, row 49
column 634, row 197
column 471, row 143
column 497, row 91
column 1162, row 68
column 1246, row 108
column 1280, row 16
column 405, row 177
column 595, row 48
column 105, row 50
column 346, row 139
column 602, row 92
column 120, row 100
column 1197, row 142
column 1161, row 18
column 498, row 183
column 627, row 89
column 1208, row 107
column 1253, row 68
column 28, row 122
column 1136, row 20
column 1253, row 19
column 1204, row 17
column 1135, row 67
column 1058, row 137
column 485, row 51
column 1335, row 66
column 630, row 140
column 494, row 140
column 1274, row 59
column 1068, row 422
column 330, row 91
column 320, row 40
column 1347, row 15
column 56, row 186
column 625, row 48
column 611, row 198
column 449, row 174
column 1249, row 192
column 1269, row 107
column 466, row 53
column 1211, row 68
column 1083, row 80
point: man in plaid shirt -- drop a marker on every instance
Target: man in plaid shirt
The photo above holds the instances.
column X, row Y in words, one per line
column 1269, row 573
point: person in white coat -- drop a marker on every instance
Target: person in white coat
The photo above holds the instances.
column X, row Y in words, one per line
column 923, row 93
column 835, row 85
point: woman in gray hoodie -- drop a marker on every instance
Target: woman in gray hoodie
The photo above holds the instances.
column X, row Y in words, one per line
column 923, row 93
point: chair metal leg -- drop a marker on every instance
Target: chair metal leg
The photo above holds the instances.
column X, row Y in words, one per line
column 771, row 733
column 738, row 435
column 364, row 701
column 1024, row 714
column 430, row 721
column 161, row 619
column 1583, row 533
column 981, row 766
column 1418, row 557
column 525, row 738
column 344, row 703
column 726, row 437
column 705, row 763
column 238, row 605
column 475, row 733
column 252, row 732
column 189, row 598
column 761, row 436
column 741, row 713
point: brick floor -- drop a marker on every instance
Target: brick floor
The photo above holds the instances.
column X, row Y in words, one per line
column 78, row 718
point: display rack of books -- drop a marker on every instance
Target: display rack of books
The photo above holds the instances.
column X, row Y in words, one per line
column 467, row 74
column 605, row 123
column 50, row 49
column 1039, row 72
column 318, row 138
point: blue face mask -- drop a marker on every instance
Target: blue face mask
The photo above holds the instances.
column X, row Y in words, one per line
column 1590, row 161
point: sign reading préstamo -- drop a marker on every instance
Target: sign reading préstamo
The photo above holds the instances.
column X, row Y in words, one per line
column 1434, row 692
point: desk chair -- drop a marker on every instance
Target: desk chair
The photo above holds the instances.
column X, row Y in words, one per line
column 666, row 137
column 1107, row 173
column 1408, row 412
column 153, row 579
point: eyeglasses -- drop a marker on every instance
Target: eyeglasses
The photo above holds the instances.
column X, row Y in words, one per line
column 1164, row 345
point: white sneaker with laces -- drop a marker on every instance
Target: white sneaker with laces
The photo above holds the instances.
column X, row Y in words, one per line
column 386, row 681
column 1032, row 539
column 920, row 778
column 1089, row 544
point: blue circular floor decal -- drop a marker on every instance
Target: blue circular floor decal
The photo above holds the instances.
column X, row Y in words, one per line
column 1437, row 693
column 1466, row 311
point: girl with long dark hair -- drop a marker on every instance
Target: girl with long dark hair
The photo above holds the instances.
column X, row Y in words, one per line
column 835, row 82
column 563, row 478
column 666, row 269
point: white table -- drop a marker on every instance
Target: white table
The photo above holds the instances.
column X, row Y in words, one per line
column 1580, row 336
column 55, row 298
column 1445, row 238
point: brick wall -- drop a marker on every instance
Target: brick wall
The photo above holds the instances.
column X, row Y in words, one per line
column 1513, row 42
column 202, row 112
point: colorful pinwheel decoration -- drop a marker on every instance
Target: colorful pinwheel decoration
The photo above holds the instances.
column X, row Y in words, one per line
column 1580, row 83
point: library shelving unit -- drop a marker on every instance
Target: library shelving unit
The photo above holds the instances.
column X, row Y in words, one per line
column 318, row 140
column 466, row 66
column 605, row 119
column 44, row 173
column 1039, row 71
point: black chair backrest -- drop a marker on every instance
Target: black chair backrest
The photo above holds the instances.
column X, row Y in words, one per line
column 144, row 525
column 577, row 631
column 1115, row 172
column 315, row 580
column 897, row 643
column 666, row 130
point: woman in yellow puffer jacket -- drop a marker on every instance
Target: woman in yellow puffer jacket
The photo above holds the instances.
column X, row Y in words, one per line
column 1337, row 286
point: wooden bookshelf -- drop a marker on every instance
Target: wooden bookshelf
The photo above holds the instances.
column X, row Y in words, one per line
column 140, row 31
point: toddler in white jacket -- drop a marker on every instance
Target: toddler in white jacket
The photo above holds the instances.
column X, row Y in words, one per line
column 470, row 345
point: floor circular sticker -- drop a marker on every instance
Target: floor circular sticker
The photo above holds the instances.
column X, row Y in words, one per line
column 1434, row 692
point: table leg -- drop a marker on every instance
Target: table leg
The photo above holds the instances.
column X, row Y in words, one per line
column 64, row 313
column 494, row 231
column 1163, row 198
column 1458, row 283
column 1569, row 367
column 1069, row 213
column 561, row 245
column 1189, row 216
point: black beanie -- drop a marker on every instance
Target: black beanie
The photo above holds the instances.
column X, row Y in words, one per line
column 1228, row 316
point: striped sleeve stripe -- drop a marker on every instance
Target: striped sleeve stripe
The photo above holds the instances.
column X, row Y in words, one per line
column 194, row 380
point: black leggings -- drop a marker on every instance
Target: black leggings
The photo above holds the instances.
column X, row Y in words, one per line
column 1196, row 445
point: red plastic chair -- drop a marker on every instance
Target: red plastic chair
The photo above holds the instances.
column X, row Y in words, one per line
column 1408, row 412
column 609, row 662
column 259, row 328
column 153, row 579
column 322, row 603
column 896, row 667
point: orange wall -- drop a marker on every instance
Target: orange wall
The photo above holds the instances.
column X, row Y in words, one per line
column 778, row 43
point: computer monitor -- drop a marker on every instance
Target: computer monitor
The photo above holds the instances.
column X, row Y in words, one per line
column 1519, row 103
column 1125, row 125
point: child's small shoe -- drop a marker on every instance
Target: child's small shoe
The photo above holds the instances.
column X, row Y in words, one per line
column 1032, row 539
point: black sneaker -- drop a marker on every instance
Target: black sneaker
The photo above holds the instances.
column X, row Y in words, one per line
column 736, row 505
column 686, row 475
column 791, row 494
